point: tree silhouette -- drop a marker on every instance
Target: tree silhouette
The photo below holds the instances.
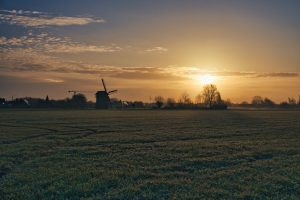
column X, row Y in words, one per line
column 268, row 102
column 210, row 95
column 79, row 100
column 171, row 102
column 199, row 98
column 159, row 101
column 244, row 103
column 292, row 101
column 257, row 100
column 185, row 98
column 218, row 98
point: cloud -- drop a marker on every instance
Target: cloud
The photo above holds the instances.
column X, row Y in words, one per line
column 23, row 60
column 258, row 74
column 279, row 74
column 234, row 73
column 28, row 55
column 12, row 42
column 192, row 71
column 157, row 49
column 2, row 40
column 41, row 19
column 51, row 44
column 147, row 73
column 77, row 48
column 51, row 80
column 30, row 60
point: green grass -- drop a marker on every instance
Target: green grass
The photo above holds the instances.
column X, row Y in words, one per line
column 91, row 154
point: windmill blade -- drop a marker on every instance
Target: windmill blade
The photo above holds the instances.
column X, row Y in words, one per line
column 104, row 86
column 113, row 91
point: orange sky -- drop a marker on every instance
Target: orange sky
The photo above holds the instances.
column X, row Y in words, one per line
column 146, row 49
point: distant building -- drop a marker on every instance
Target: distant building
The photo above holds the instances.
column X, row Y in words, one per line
column 2, row 101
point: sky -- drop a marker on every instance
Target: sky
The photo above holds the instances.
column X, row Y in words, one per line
column 148, row 48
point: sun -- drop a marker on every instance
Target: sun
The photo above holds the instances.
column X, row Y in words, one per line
column 206, row 79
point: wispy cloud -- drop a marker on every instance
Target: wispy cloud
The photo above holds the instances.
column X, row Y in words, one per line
column 194, row 71
column 29, row 60
column 41, row 19
column 51, row 80
column 279, row 74
column 257, row 74
column 51, row 44
column 31, row 53
column 77, row 48
column 157, row 49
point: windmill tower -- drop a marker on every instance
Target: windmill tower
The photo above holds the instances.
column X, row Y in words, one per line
column 102, row 97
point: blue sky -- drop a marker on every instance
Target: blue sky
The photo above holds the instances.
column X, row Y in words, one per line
column 148, row 48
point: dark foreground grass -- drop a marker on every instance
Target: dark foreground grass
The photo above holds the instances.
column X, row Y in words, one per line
column 149, row 154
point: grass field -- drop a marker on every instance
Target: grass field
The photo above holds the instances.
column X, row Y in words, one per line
column 91, row 154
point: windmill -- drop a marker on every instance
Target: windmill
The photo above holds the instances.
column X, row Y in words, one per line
column 102, row 97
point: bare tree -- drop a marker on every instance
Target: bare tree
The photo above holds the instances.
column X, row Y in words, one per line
column 257, row 100
column 218, row 98
column 159, row 101
column 244, row 103
column 268, row 102
column 171, row 102
column 199, row 99
column 292, row 101
column 185, row 98
column 210, row 95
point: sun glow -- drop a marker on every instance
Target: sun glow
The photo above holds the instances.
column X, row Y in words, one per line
column 207, row 79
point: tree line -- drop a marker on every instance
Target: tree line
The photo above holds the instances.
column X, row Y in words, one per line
column 259, row 101
column 208, row 98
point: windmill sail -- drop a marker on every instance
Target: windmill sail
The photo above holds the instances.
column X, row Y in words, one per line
column 112, row 91
column 104, row 86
